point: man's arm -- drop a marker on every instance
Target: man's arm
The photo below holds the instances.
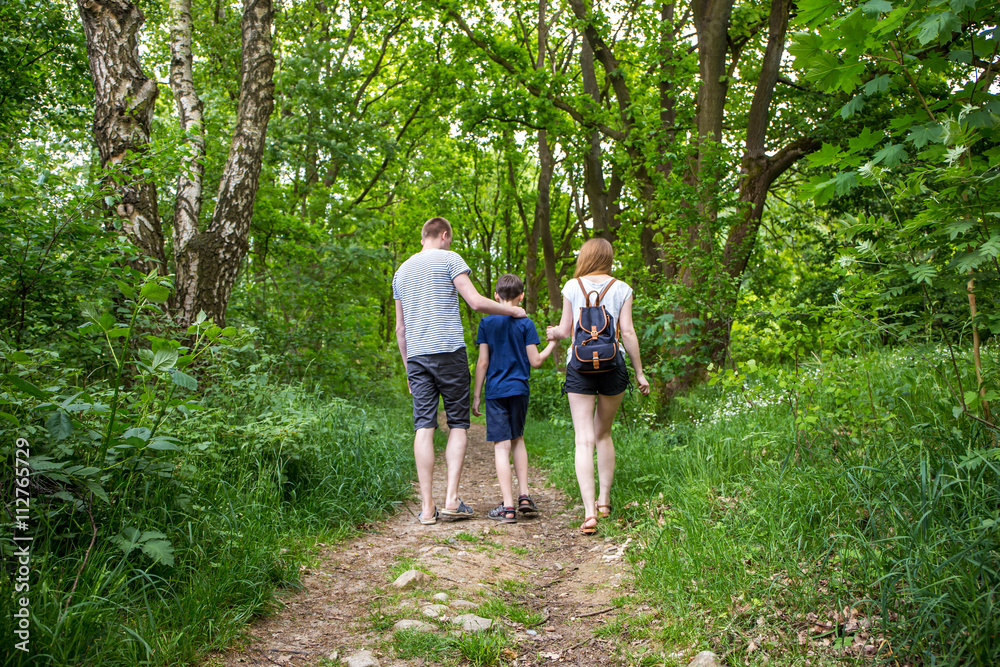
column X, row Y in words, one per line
column 536, row 358
column 481, row 366
column 480, row 303
column 401, row 337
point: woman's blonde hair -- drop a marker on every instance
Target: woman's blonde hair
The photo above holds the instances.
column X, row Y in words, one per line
column 595, row 257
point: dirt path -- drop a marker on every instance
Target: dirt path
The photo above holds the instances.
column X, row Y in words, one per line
column 542, row 564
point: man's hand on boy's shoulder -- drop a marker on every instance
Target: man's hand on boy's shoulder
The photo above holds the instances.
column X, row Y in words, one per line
column 519, row 312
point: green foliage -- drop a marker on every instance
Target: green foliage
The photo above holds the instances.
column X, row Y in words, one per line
column 844, row 482
column 162, row 519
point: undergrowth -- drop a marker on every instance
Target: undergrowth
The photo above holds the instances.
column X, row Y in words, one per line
column 166, row 511
column 843, row 513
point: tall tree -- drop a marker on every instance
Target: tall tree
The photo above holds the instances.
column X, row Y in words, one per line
column 207, row 261
column 633, row 113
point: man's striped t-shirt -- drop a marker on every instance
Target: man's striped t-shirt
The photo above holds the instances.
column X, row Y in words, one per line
column 424, row 286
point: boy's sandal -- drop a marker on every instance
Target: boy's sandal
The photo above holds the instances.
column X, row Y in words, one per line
column 589, row 526
column 503, row 514
column 604, row 511
column 463, row 511
column 526, row 505
column 430, row 521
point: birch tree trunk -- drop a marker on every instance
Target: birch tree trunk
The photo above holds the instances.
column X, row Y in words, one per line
column 187, row 209
column 208, row 263
column 124, row 100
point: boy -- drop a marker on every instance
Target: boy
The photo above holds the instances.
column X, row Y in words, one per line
column 431, row 342
column 507, row 347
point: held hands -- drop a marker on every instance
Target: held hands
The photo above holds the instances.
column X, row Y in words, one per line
column 550, row 334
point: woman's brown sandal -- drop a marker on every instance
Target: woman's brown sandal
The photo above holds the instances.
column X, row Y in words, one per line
column 589, row 526
column 603, row 511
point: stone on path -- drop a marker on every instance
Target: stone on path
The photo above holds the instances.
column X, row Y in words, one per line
column 463, row 604
column 410, row 624
column 705, row 659
column 363, row 659
column 473, row 623
column 442, row 597
column 411, row 579
column 435, row 610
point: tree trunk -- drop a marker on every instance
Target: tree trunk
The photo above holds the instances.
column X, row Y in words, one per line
column 187, row 208
column 208, row 264
column 124, row 101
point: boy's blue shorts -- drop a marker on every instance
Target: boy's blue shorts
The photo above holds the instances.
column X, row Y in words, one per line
column 505, row 417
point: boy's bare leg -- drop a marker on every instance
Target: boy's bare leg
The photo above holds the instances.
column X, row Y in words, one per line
column 423, row 454
column 520, row 456
column 454, row 458
column 501, row 452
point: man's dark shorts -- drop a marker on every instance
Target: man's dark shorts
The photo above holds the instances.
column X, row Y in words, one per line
column 505, row 417
column 611, row 383
column 445, row 375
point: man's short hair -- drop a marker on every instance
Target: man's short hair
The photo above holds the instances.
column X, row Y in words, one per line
column 509, row 287
column 434, row 227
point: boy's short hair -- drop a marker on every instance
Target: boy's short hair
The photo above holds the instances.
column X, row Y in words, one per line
column 434, row 227
column 509, row 287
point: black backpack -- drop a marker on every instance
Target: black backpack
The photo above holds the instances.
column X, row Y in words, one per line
column 595, row 339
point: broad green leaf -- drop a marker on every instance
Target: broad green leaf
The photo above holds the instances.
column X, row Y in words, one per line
column 890, row 156
column 183, row 380
column 160, row 551
column 879, row 84
column 164, row 360
column 164, row 444
column 815, row 12
column 154, row 292
column 962, row 5
column 856, row 104
column 827, row 155
column 937, row 26
column 119, row 332
column 59, row 425
column 126, row 289
column 26, row 386
column 11, row 418
column 969, row 261
column 922, row 135
column 864, row 141
column 97, row 490
column 876, row 7
column 922, row 273
column 844, row 182
column 140, row 432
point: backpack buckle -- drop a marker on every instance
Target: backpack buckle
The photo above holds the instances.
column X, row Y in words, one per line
column 597, row 363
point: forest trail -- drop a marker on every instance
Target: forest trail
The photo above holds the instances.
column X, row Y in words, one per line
column 541, row 564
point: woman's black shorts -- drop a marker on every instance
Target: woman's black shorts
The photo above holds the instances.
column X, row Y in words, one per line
column 611, row 383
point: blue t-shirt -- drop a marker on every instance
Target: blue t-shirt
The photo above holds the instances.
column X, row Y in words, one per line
column 509, row 368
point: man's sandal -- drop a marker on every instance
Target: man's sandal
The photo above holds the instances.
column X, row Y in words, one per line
column 430, row 521
column 589, row 526
column 503, row 514
column 525, row 505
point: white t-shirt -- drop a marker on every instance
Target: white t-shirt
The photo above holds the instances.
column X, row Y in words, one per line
column 424, row 285
column 612, row 301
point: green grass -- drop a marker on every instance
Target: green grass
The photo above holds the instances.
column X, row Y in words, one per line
column 262, row 476
column 853, row 488
column 481, row 649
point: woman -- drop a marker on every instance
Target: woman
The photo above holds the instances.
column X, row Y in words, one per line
column 592, row 426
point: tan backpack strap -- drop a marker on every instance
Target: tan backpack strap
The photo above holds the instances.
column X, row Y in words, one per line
column 586, row 296
column 605, row 291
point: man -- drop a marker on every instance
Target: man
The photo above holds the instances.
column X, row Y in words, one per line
column 432, row 343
